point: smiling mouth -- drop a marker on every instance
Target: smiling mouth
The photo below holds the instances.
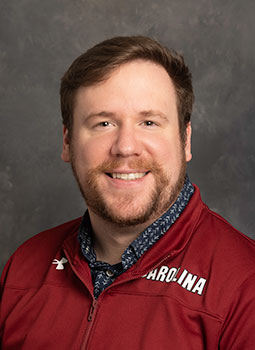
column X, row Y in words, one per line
column 127, row 176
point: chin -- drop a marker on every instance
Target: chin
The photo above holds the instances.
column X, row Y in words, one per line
column 127, row 214
column 124, row 221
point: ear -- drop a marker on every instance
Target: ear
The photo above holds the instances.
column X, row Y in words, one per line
column 65, row 155
column 187, row 149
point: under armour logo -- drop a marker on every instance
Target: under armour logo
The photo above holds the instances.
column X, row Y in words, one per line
column 60, row 263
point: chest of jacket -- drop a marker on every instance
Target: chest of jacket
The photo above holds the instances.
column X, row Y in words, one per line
column 161, row 309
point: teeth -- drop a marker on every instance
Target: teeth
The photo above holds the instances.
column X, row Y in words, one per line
column 130, row 176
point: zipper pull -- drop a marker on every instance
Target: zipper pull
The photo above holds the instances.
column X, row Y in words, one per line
column 91, row 310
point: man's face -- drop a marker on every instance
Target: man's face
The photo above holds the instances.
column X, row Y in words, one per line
column 125, row 149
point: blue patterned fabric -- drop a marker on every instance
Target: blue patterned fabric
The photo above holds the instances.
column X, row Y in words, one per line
column 103, row 274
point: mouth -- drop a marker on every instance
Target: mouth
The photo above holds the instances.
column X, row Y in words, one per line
column 127, row 176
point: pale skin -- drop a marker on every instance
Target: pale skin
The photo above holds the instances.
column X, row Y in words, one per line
column 128, row 117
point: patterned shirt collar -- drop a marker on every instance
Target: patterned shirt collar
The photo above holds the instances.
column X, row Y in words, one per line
column 145, row 240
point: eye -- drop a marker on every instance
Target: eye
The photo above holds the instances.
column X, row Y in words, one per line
column 105, row 123
column 102, row 125
column 149, row 123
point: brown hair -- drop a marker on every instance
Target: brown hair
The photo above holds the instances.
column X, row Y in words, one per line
column 96, row 64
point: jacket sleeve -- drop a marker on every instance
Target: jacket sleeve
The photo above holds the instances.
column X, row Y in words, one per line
column 238, row 331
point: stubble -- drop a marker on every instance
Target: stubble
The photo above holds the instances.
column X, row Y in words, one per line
column 157, row 199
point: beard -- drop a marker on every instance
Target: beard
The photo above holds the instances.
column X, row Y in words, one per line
column 124, row 210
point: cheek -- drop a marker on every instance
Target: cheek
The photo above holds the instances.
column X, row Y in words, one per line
column 164, row 150
column 90, row 152
column 168, row 154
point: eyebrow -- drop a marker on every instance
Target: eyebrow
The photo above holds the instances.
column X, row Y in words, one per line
column 148, row 114
column 99, row 114
column 152, row 113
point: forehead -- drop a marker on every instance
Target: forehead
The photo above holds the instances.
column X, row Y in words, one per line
column 137, row 84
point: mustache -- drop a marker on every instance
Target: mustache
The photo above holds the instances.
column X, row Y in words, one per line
column 109, row 166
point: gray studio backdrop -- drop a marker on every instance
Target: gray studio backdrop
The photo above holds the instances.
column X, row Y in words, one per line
column 39, row 40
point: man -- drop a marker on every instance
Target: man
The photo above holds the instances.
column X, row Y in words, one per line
column 149, row 266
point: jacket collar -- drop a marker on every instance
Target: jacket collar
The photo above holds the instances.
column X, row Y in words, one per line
column 175, row 239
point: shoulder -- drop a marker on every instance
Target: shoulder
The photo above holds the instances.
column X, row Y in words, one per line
column 227, row 255
column 227, row 239
column 216, row 237
column 32, row 259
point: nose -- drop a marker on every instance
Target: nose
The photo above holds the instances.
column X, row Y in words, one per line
column 126, row 143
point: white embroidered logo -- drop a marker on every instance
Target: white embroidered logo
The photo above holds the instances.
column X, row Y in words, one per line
column 60, row 263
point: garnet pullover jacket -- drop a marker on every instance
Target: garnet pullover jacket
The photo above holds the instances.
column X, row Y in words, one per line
column 194, row 289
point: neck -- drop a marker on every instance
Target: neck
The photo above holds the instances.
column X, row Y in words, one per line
column 111, row 240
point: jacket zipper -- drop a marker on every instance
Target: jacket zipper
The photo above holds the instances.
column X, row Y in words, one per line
column 91, row 319
column 92, row 310
column 94, row 304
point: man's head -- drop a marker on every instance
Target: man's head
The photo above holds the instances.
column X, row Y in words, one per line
column 126, row 128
